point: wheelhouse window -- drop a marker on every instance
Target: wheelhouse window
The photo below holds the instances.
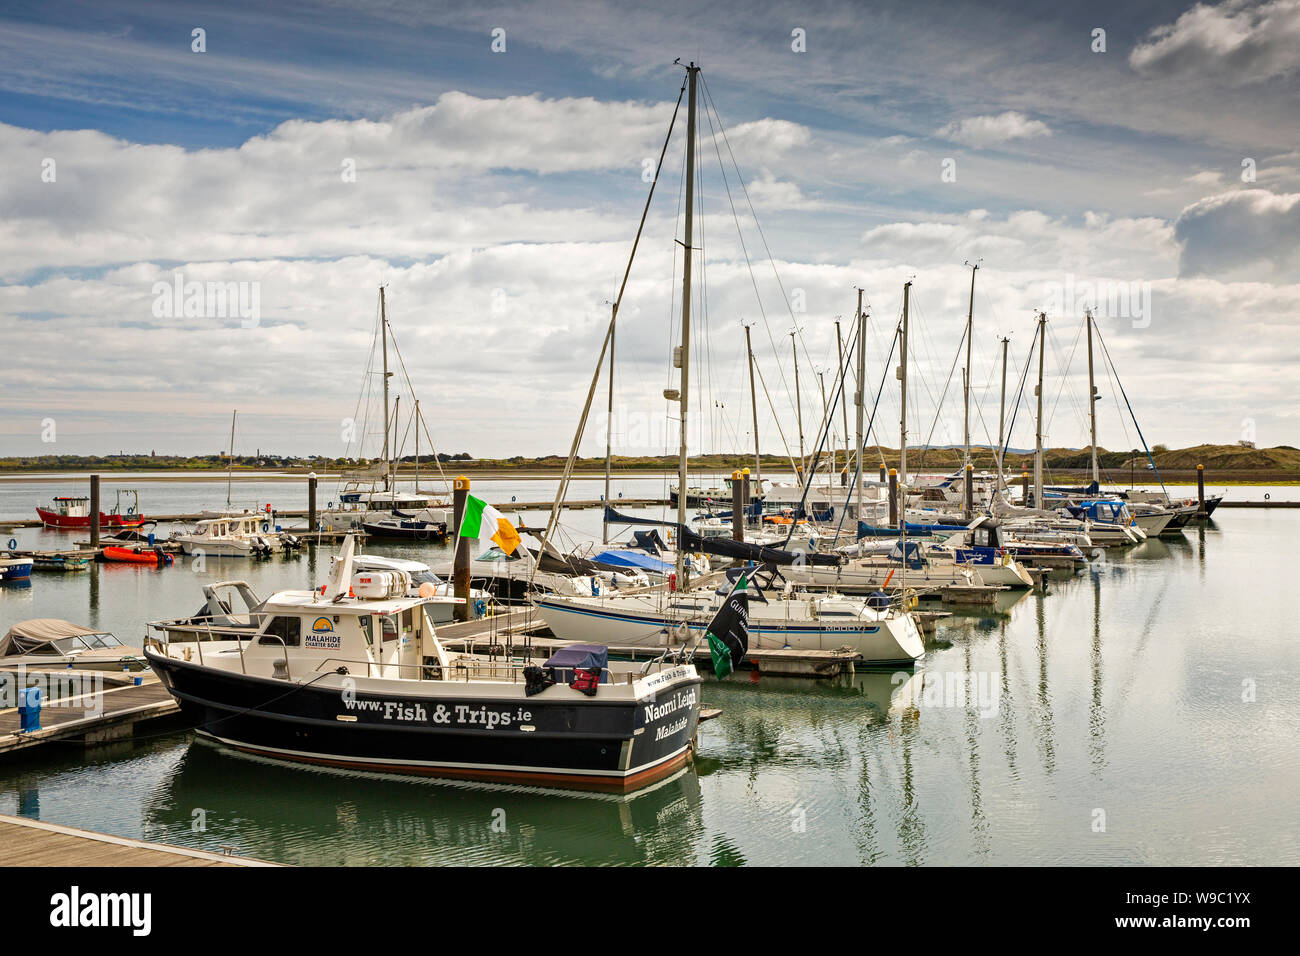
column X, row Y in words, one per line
column 288, row 629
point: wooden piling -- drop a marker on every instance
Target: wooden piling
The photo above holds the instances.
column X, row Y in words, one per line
column 882, row 474
column 311, row 501
column 1200, row 491
column 460, row 564
column 893, row 498
column 970, row 492
column 1024, row 488
column 737, row 507
column 94, row 511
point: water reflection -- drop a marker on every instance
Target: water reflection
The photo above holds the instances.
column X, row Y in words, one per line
column 311, row 816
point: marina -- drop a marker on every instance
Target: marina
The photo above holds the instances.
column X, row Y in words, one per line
column 834, row 436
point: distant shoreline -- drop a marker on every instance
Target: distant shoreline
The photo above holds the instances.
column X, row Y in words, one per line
column 702, row 472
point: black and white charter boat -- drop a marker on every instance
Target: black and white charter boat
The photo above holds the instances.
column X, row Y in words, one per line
column 353, row 675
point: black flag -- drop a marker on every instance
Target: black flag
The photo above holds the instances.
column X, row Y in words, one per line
column 728, row 632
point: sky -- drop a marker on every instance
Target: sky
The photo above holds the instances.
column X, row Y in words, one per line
column 487, row 164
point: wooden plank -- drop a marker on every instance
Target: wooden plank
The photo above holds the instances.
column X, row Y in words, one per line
column 38, row 843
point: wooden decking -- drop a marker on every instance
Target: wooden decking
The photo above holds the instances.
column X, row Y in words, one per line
column 26, row 842
column 78, row 718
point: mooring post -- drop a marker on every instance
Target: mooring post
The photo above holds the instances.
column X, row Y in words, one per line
column 882, row 474
column 460, row 563
column 94, row 512
column 311, row 502
column 746, row 492
column 1200, row 491
column 970, row 492
column 737, row 507
column 893, row 498
column 1024, row 488
column 844, row 477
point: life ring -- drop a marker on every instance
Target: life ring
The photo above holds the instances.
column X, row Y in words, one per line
column 13, row 544
column 266, row 526
column 130, row 509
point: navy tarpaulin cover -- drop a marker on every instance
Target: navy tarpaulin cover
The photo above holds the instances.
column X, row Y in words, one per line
column 584, row 656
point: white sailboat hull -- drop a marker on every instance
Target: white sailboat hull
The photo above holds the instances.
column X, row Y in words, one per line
column 653, row 621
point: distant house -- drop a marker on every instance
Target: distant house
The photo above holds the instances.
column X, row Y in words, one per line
column 1246, row 444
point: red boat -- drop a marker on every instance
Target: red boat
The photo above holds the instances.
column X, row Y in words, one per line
column 153, row 556
column 71, row 513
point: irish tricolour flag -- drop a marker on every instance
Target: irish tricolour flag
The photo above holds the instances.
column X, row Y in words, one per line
column 483, row 521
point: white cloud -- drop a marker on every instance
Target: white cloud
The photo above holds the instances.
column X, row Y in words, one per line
column 1246, row 233
column 981, row 131
column 1237, row 41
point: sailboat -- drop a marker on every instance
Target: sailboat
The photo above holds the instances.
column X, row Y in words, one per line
column 374, row 504
column 881, row 630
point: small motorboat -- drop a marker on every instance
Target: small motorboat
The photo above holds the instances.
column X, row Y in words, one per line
column 156, row 557
column 60, row 562
column 14, row 568
column 50, row 642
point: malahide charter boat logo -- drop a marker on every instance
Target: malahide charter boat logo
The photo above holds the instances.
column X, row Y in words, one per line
column 323, row 635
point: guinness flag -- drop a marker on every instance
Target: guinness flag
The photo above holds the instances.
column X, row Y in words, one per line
column 728, row 632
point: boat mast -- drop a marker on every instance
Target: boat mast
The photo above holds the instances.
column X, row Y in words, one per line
column 826, row 417
column 753, row 406
column 609, row 427
column 859, row 396
column 230, row 466
column 844, row 396
column 970, row 315
column 417, row 446
column 798, row 400
column 1092, row 404
column 684, row 352
column 1038, row 430
column 1002, row 409
column 383, row 331
column 902, row 377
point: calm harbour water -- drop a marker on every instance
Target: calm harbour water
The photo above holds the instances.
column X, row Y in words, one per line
column 1110, row 729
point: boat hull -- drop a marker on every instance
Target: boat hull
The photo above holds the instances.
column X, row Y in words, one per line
column 15, row 569
column 615, row 746
column 52, row 519
column 892, row 640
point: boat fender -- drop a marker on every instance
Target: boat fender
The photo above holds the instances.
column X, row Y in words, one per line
column 672, row 581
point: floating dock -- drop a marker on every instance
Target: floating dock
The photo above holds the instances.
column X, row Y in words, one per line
column 79, row 720
column 37, row 843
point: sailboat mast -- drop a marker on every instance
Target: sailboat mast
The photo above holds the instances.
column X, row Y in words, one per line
column 859, row 397
column 383, row 331
column 798, row 398
column 230, row 467
column 902, row 378
column 753, row 407
column 397, row 408
column 417, row 446
column 684, row 353
column 970, row 316
column 1002, row 409
column 1038, row 429
column 609, row 427
column 844, row 396
column 1092, row 405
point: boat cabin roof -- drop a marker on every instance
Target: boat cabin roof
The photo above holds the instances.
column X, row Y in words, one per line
column 313, row 602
